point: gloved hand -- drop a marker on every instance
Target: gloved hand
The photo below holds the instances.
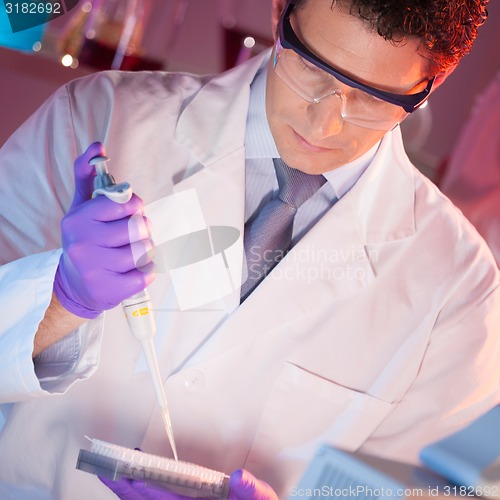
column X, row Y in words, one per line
column 97, row 269
column 128, row 489
column 242, row 486
column 245, row 486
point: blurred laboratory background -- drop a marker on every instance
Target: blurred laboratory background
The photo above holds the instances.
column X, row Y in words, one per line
column 205, row 36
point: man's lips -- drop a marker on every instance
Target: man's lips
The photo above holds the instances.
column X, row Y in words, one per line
column 307, row 145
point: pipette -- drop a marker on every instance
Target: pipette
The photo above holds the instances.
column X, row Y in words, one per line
column 138, row 307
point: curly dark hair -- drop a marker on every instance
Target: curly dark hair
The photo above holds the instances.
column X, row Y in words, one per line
column 447, row 28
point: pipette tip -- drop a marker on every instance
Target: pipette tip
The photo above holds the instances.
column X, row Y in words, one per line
column 170, row 432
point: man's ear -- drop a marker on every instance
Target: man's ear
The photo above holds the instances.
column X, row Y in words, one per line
column 441, row 77
column 276, row 10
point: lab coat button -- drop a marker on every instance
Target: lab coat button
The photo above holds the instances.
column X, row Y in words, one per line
column 194, row 380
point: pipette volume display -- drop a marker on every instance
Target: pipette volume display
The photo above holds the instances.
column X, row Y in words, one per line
column 138, row 307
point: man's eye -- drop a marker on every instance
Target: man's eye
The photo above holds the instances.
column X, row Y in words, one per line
column 307, row 66
column 369, row 99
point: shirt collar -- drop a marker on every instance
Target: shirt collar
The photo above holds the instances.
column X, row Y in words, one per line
column 259, row 142
column 343, row 178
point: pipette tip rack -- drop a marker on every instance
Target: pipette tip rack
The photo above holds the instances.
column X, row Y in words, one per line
column 115, row 462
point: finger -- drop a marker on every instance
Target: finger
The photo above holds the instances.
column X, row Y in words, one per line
column 92, row 262
column 122, row 488
column 104, row 210
column 119, row 260
column 150, row 492
column 143, row 252
column 139, row 227
column 245, row 486
column 134, row 281
column 85, row 173
column 116, row 288
column 149, row 268
column 117, row 233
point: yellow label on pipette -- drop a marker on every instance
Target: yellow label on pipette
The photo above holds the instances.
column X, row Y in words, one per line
column 140, row 312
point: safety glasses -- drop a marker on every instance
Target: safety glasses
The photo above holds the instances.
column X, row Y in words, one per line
column 314, row 80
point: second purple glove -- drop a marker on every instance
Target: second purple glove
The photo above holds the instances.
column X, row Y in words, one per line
column 242, row 484
column 97, row 269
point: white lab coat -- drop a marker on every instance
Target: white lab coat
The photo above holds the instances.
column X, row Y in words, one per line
column 378, row 330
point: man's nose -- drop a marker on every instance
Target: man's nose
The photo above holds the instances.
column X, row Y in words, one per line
column 325, row 117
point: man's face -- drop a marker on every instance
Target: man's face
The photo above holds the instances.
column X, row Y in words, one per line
column 313, row 137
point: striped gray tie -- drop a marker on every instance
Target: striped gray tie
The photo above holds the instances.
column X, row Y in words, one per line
column 268, row 234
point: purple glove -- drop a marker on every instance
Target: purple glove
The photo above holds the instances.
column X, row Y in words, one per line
column 128, row 489
column 245, row 486
column 242, row 484
column 97, row 269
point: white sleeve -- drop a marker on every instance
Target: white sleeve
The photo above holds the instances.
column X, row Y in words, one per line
column 25, row 293
column 36, row 189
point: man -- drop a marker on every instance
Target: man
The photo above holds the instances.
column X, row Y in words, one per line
column 376, row 331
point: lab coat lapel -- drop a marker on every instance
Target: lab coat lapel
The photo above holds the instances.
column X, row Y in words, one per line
column 227, row 210
column 218, row 179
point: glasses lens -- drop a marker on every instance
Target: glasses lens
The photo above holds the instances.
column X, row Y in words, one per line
column 308, row 81
column 365, row 110
column 314, row 84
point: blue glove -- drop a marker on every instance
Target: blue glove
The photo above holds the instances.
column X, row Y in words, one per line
column 242, row 486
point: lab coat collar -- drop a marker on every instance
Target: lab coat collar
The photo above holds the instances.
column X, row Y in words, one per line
column 384, row 197
column 227, row 94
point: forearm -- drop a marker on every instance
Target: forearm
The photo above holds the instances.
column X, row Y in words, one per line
column 57, row 323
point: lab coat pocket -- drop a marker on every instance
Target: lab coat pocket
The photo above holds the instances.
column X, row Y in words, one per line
column 304, row 410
